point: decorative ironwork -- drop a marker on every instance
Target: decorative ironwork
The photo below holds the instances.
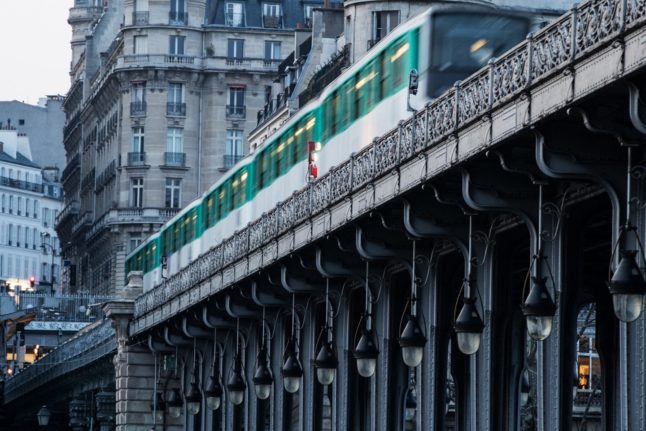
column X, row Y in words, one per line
column 85, row 348
column 596, row 24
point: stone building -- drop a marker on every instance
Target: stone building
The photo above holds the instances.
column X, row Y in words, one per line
column 161, row 99
column 30, row 199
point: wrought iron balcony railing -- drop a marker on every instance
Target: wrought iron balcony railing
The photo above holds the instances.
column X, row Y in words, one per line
column 20, row 184
column 177, row 18
column 175, row 159
column 176, row 109
column 235, row 111
column 137, row 108
column 136, row 159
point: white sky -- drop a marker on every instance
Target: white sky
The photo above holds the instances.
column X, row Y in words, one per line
column 35, row 49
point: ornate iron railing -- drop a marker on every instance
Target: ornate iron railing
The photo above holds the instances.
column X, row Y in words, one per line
column 85, row 348
column 575, row 35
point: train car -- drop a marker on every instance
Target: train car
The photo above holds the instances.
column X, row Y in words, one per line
column 446, row 43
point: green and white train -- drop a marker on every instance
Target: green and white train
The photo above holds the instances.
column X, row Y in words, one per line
column 444, row 44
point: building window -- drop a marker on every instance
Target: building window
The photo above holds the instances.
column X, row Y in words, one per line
column 35, row 209
column 176, row 45
column 135, row 240
column 234, row 14
column 383, row 23
column 233, row 149
column 176, row 105
column 272, row 50
column 174, row 140
column 138, row 98
column 236, row 106
column 272, row 15
column 588, row 396
column 137, row 192
column 137, row 140
column 178, row 15
column 19, row 209
column 140, row 45
column 27, row 207
column 11, row 208
column 235, row 49
column 173, row 191
column 18, row 235
column 11, row 239
column 137, row 156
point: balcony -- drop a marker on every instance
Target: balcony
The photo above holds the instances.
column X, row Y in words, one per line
column 136, row 159
column 114, row 217
column 231, row 159
column 177, row 18
column 140, row 18
column 82, row 223
column 241, row 63
column 234, row 19
column 236, row 112
column 70, row 209
column 176, row 109
column 175, row 159
column 179, row 59
column 137, row 108
column 73, row 165
column 270, row 21
column 20, row 184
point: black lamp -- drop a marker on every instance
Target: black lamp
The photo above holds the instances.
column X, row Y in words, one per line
column 412, row 339
column 326, row 361
column 213, row 393
column 468, row 327
column 263, row 378
column 627, row 287
column 292, row 370
column 43, row 416
column 366, row 353
column 627, row 284
column 539, row 309
column 175, row 404
column 237, row 384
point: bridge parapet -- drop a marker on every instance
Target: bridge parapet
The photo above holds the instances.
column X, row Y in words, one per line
column 87, row 347
column 563, row 45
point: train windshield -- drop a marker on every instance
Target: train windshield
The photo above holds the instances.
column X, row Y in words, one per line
column 463, row 43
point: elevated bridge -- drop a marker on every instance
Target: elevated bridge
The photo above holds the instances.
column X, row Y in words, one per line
column 518, row 192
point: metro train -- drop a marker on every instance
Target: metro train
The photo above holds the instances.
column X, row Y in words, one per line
column 444, row 44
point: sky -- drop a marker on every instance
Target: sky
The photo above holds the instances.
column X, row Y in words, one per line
column 35, row 49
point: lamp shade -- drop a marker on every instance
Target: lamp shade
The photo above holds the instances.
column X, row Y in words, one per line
column 326, row 363
column 175, row 404
column 627, row 287
column 468, row 327
column 539, row 309
column 43, row 416
column 410, row 405
column 292, row 371
column 366, row 353
column 193, row 399
column 412, row 342
column 213, row 393
column 263, row 378
column 237, row 384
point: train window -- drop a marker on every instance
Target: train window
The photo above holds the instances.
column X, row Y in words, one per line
column 241, row 193
column 398, row 60
column 281, row 157
column 463, row 43
column 209, row 211
column 365, row 88
column 384, row 76
column 191, row 224
column 176, row 229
